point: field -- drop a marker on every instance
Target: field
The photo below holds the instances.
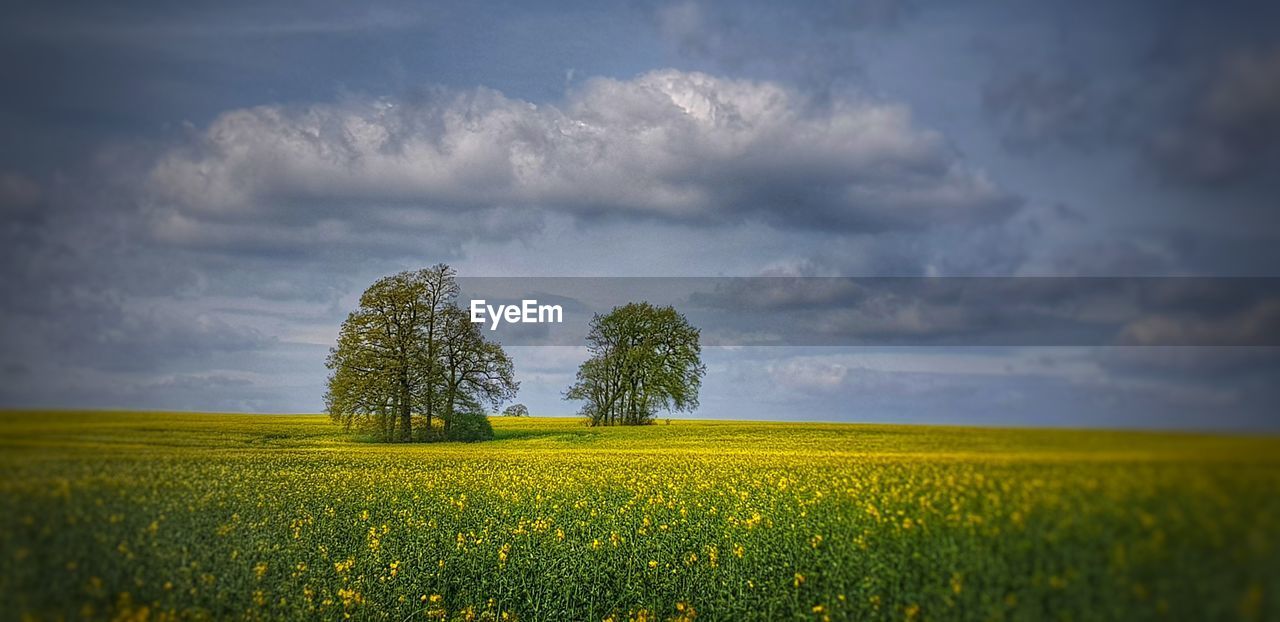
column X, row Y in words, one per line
column 151, row 515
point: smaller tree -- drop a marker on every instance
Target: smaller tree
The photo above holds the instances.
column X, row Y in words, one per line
column 643, row 359
column 516, row 410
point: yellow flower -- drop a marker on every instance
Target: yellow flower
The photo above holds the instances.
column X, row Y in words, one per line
column 350, row 596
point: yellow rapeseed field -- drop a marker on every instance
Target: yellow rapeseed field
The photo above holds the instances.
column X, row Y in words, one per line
column 160, row 515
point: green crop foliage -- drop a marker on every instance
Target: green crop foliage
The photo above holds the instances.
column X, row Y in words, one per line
column 157, row 516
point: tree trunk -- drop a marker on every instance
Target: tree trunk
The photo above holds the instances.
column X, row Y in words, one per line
column 431, row 397
column 449, row 409
column 431, row 362
column 406, row 412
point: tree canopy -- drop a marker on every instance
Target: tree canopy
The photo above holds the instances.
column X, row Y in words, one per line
column 409, row 352
column 643, row 359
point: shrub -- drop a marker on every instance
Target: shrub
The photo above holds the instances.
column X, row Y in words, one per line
column 469, row 427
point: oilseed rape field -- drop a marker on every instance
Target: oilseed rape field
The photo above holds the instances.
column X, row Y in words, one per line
column 202, row 516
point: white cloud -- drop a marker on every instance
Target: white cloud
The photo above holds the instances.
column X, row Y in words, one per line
column 677, row 147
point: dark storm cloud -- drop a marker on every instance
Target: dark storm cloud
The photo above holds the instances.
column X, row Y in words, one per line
column 1230, row 132
column 1035, row 108
column 1188, row 88
column 20, row 197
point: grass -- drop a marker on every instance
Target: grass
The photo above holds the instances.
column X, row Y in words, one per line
column 116, row 515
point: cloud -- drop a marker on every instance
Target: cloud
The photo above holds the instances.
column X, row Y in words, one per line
column 19, row 195
column 1033, row 109
column 815, row 44
column 209, row 265
column 134, row 25
column 1187, row 90
column 93, row 331
column 668, row 146
column 1232, row 130
column 214, row 381
column 1102, row 387
column 990, row 310
column 808, row 374
column 1254, row 325
column 1192, row 363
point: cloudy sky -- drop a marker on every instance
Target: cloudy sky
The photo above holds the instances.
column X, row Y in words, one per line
column 193, row 197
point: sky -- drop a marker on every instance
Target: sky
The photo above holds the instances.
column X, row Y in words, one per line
column 193, row 195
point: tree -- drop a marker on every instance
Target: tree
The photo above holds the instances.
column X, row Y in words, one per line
column 474, row 372
column 643, row 359
column 440, row 293
column 403, row 352
column 516, row 410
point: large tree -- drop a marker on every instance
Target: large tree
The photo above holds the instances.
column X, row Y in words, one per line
column 643, row 359
column 398, row 355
